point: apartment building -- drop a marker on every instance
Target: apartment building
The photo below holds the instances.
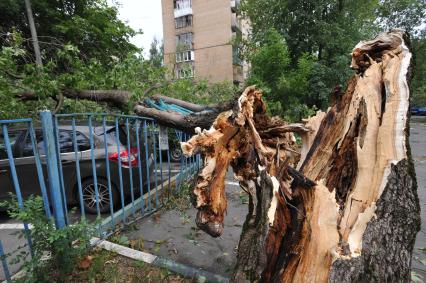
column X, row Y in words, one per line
column 198, row 39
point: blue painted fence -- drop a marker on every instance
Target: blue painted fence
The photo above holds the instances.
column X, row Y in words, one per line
column 111, row 167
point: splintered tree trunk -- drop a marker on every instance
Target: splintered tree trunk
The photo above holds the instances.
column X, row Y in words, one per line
column 350, row 213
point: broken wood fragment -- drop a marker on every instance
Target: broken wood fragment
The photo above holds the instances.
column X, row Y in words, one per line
column 350, row 213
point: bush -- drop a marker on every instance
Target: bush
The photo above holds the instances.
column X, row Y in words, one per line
column 54, row 251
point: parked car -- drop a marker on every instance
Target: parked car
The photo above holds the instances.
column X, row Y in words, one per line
column 27, row 172
column 419, row 111
column 174, row 148
column 175, row 151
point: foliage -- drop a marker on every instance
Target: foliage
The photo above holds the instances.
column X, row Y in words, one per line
column 90, row 25
column 156, row 53
column 54, row 251
column 199, row 92
column 180, row 200
column 109, row 267
column 285, row 86
column 418, row 85
column 84, row 46
column 299, row 50
column 407, row 14
column 70, row 70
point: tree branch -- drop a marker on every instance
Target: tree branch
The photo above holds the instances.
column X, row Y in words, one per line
column 116, row 98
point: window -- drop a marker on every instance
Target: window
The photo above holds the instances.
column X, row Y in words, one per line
column 65, row 140
column 184, row 41
column 111, row 136
column 66, row 144
column 185, row 72
column 183, row 22
column 184, row 56
column 182, row 4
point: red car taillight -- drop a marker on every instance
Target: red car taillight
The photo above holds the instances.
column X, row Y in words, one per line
column 126, row 157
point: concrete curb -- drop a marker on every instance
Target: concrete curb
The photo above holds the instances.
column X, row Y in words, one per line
column 184, row 270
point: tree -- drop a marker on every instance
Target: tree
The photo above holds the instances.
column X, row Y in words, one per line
column 419, row 81
column 156, row 53
column 85, row 47
column 351, row 211
column 285, row 85
column 326, row 31
column 92, row 26
column 90, row 86
column 407, row 14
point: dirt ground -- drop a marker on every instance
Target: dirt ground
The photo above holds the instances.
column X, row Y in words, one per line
column 108, row 267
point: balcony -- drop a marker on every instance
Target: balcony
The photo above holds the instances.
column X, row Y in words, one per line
column 185, row 56
column 184, row 42
column 182, row 8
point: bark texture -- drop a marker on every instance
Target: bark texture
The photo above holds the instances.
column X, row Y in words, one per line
column 351, row 212
column 389, row 237
column 203, row 116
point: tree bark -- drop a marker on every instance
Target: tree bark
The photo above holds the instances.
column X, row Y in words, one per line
column 33, row 30
column 203, row 116
column 351, row 214
column 202, row 119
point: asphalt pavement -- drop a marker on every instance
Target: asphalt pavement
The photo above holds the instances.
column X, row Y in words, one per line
column 418, row 151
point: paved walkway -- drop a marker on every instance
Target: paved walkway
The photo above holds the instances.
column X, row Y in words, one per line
column 174, row 235
column 418, row 151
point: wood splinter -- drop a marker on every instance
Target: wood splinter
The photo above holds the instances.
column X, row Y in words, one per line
column 350, row 212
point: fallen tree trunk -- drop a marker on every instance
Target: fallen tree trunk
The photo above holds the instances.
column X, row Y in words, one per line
column 351, row 213
column 187, row 123
column 203, row 116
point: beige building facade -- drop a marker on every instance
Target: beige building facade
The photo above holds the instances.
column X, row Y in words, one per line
column 198, row 38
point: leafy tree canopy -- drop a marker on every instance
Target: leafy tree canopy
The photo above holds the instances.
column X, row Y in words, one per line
column 90, row 25
column 299, row 50
column 84, row 47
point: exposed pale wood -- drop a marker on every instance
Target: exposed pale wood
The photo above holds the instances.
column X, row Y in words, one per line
column 356, row 221
column 313, row 124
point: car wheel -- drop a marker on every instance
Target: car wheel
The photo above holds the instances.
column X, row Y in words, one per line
column 89, row 196
column 176, row 155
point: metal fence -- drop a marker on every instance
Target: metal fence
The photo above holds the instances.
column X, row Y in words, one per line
column 113, row 169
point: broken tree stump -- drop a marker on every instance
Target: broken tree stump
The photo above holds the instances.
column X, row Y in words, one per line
column 351, row 212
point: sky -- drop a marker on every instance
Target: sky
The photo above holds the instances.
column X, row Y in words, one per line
column 145, row 15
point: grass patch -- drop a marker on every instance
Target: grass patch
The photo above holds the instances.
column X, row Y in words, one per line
column 106, row 266
column 181, row 200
